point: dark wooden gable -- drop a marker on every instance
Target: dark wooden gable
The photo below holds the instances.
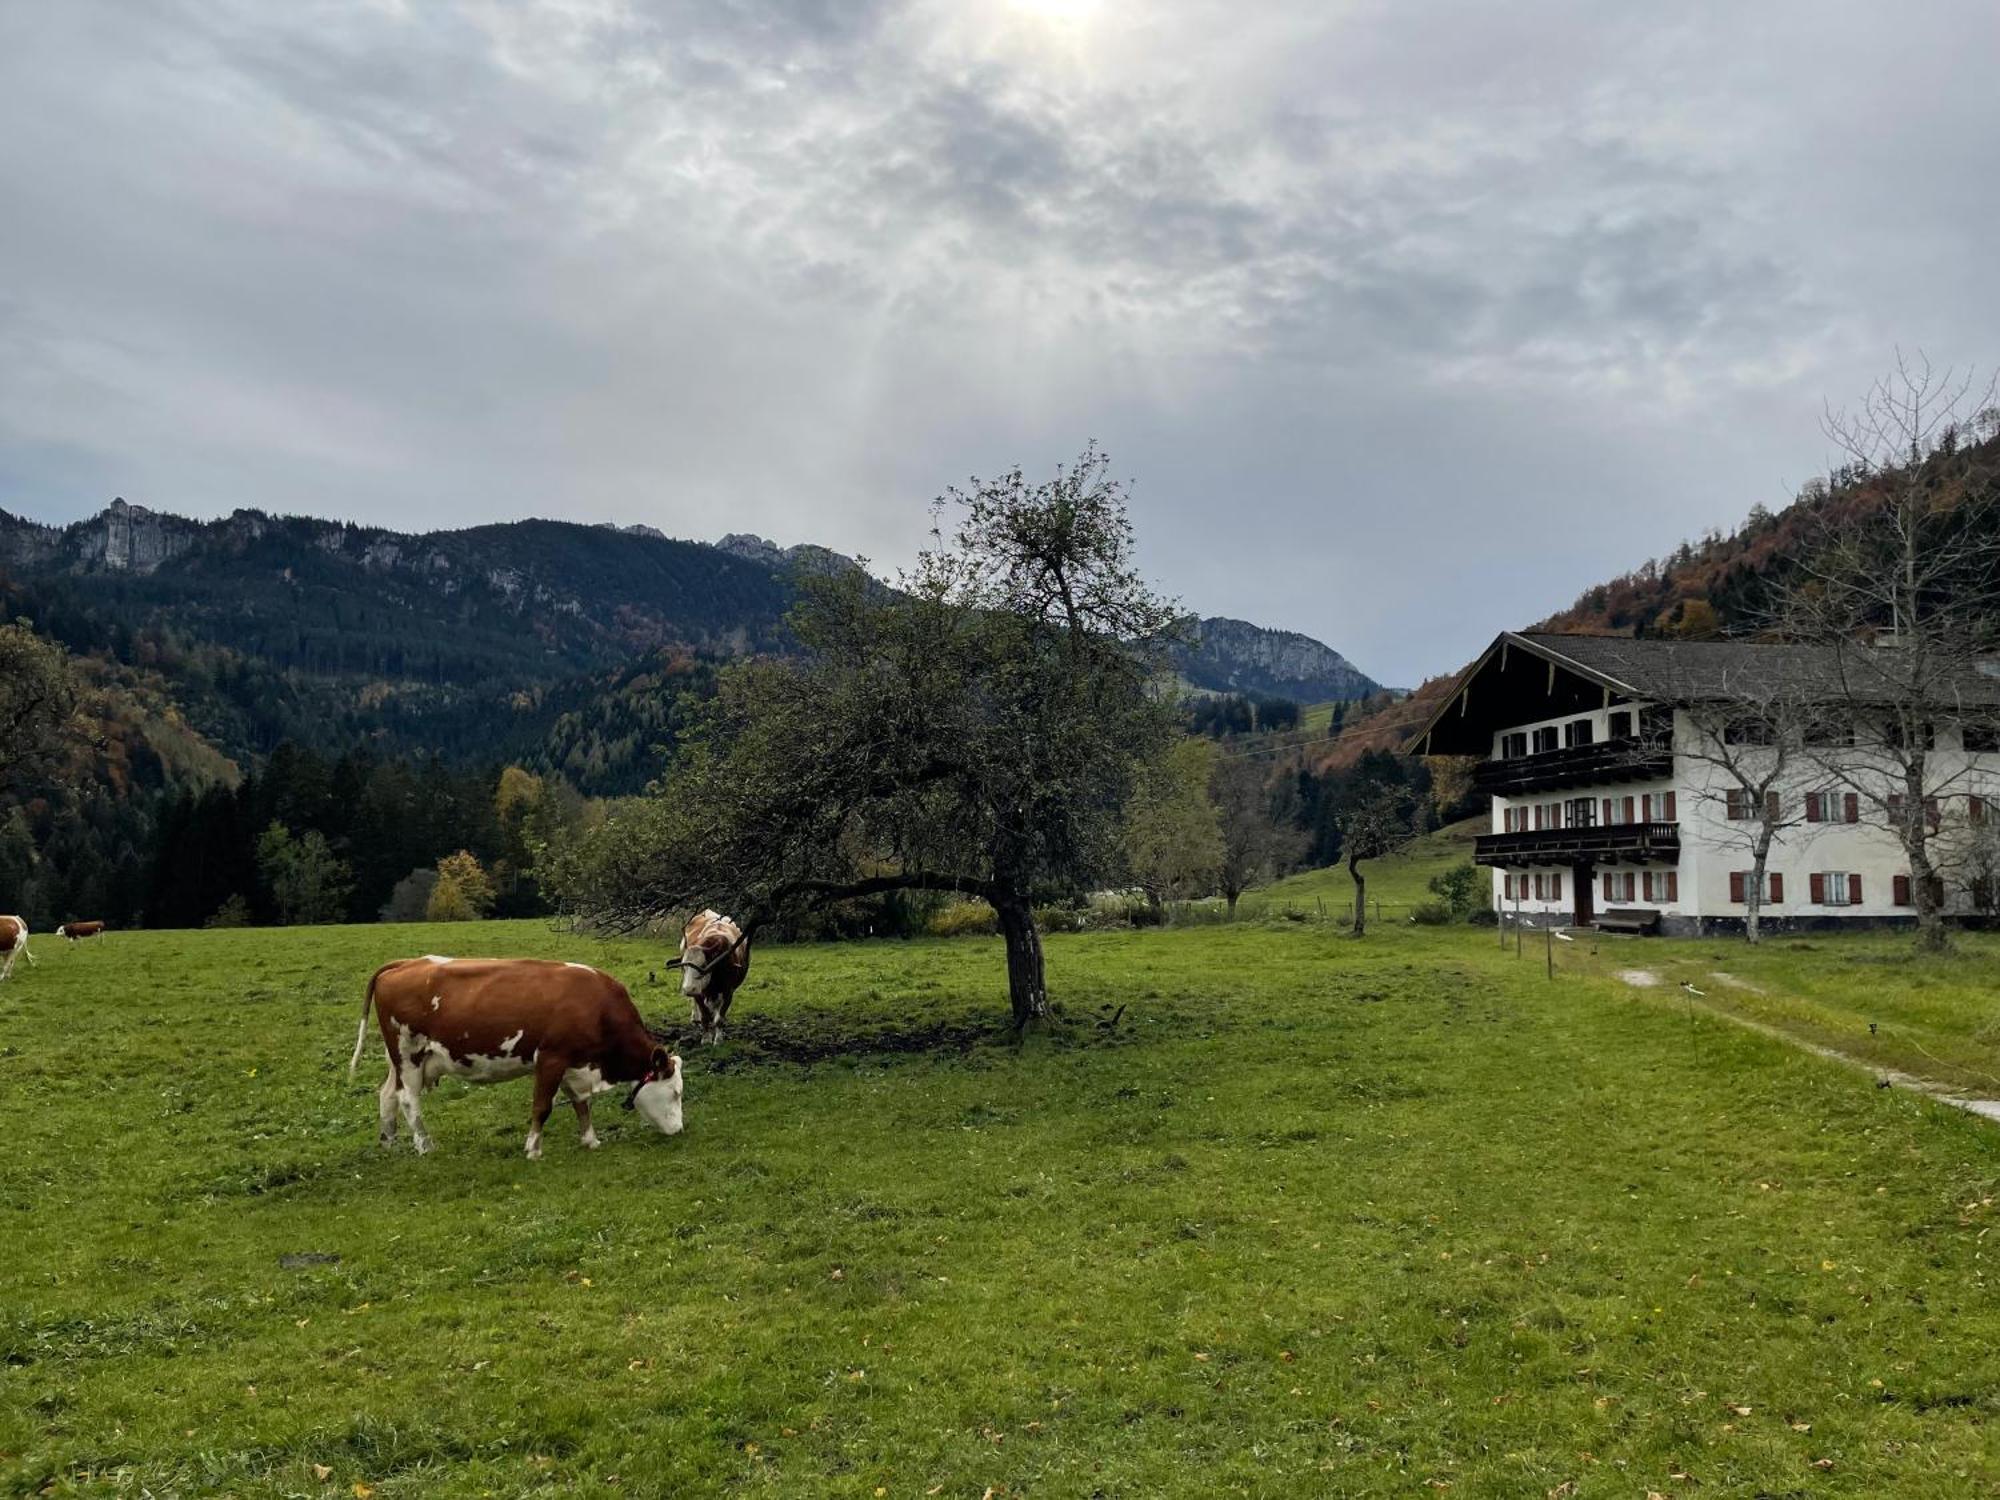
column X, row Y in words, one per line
column 1510, row 685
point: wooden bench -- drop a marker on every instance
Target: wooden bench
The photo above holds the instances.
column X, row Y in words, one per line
column 1638, row 923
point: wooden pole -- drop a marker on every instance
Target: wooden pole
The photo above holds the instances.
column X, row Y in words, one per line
column 1550, row 934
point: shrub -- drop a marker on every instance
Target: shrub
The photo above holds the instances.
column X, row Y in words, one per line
column 1148, row 916
column 965, row 919
column 1431, row 914
column 1461, row 889
column 1483, row 916
column 235, row 912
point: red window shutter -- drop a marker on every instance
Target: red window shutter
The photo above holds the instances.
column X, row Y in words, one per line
column 1646, row 808
column 1673, row 880
column 1607, row 887
column 1812, row 807
column 1647, row 878
column 1854, row 890
column 1818, row 889
column 1736, row 886
column 1773, row 809
column 1777, row 889
column 1733, row 803
column 1538, row 817
column 1853, row 810
column 1628, row 809
column 1975, row 809
column 1671, row 812
column 1607, row 812
column 1556, row 886
column 1899, row 890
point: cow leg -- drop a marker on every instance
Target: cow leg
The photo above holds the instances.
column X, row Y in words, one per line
column 581, row 1104
column 28, row 954
column 549, row 1071
column 8, row 971
column 387, row 1096
column 410, row 1096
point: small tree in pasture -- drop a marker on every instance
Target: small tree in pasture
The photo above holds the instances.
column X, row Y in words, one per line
column 1255, row 844
column 1374, row 825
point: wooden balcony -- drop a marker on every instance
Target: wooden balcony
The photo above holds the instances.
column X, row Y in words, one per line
column 1627, row 759
column 1611, row 844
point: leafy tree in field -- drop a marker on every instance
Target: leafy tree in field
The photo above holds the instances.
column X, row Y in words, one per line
column 235, row 912
column 462, row 893
column 1173, row 839
column 38, row 696
column 1255, row 842
column 308, row 885
column 976, row 732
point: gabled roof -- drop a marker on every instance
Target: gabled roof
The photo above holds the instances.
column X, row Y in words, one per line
column 1691, row 672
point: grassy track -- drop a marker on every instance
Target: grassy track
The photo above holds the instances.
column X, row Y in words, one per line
column 1318, row 1217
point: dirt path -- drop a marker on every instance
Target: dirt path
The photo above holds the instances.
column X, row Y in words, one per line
column 1646, row 979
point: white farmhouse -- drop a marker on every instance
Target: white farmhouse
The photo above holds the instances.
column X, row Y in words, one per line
column 1608, row 807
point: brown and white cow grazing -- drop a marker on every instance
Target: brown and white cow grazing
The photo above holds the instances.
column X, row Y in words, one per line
column 75, row 931
column 490, row 1019
column 14, row 944
column 715, row 958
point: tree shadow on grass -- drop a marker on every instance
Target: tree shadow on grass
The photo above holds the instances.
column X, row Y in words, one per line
column 804, row 1037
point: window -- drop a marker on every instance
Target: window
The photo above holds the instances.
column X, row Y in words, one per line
column 1836, row 888
column 1621, row 886
column 1975, row 811
column 1748, row 731
column 1899, row 736
column 1658, row 807
column 1740, row 883
column 1828, row 729
column 1619, row 725
column 1580, row 812
column 1743, row 805
column 1577, row 733
column 1663, row 886
column 1547, row 740
column 1982, row 739
column 1514, row 746
column 1833, row 807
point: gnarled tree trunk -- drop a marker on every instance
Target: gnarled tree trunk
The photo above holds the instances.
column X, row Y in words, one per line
column 1360, row 897
column 1027, row 990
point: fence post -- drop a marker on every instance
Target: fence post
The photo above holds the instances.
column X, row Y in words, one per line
column 1550, row 934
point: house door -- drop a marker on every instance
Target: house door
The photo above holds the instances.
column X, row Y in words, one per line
column 1583, row 881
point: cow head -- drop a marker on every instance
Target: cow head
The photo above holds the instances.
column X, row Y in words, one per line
column 658, row 1096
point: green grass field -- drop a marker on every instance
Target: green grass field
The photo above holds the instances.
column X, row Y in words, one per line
column 1317, row 1217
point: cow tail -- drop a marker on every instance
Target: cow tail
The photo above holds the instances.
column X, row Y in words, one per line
column 361, row 1032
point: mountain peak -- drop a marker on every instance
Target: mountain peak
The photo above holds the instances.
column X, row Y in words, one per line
column 1235, row 656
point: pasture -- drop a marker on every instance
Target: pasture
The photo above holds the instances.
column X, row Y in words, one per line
column 1317, row 1216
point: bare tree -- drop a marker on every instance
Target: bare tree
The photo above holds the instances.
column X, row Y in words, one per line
column 1902, row 589
column 1753, row 748
column 1375, row 825
column 1254, row 843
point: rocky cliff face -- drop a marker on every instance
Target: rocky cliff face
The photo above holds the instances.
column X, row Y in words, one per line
column 1234, row 656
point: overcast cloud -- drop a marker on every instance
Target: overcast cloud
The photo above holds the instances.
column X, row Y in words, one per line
column 1408, row 320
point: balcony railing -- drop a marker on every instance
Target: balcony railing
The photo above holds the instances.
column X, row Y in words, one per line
column 1627, row 759
column 1606, row 844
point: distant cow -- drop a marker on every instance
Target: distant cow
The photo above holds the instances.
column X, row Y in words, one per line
column 14, row 944
column 76, row 931
column 715, row 958
column 490, row 1019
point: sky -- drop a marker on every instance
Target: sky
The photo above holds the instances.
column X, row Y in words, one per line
column 1407, row 321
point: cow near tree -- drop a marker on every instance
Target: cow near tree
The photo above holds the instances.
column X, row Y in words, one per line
column 976, row 731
